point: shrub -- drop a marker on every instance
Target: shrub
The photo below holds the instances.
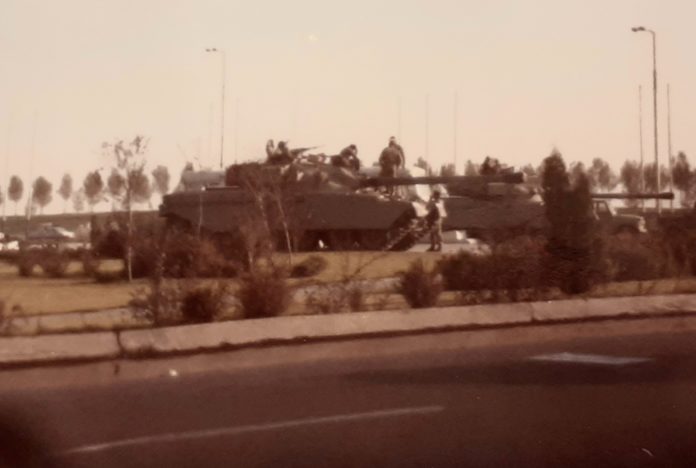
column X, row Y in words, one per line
column 310, row 266
column 160, row 302
column 419, row 286
column 648, row 259
column 26, row 261
column 54, row 263
column 203, row 303
column 90, row 264
column 264, row 293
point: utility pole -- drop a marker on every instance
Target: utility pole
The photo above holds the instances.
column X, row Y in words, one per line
column 398, row 119
column 427, row 126
column 669, row 148
column 30, row 192
column 6, row 185
column 640, row 133
column 222, row 103
column 455, row 118
column 236, row 129
column 654, row 56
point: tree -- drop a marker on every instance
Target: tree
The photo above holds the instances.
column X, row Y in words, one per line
column 630, row 179
column 577, row 170
column 93, row 187
column 471, row 169
column 160, row 179
column 42, row 192
column 15, row 190
column 142, row 190
column 602, row 176
column 78, row 200
column 683, row 178
column 129, row 159
column 425, row 165
column 572, row 241
column 650, row 176
column 65, row 190
column 448, row 170
column 529, row 170
column 116, row 185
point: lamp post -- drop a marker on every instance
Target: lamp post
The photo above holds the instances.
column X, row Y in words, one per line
column 657, row 161
column 222, row 103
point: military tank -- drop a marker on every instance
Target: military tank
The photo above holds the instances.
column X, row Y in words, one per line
column 321, row 205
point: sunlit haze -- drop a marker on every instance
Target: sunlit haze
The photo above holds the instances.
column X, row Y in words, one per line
column 528, row 75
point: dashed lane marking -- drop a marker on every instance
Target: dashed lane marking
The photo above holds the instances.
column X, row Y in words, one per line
column 252, row 428
column 596, row 359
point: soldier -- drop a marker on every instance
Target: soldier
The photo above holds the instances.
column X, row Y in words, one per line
column 270, row 149
column 434, row 220
column 348, row 157
column 281, row 154
column 490, row 166
column 395, row 145
column 390, row 160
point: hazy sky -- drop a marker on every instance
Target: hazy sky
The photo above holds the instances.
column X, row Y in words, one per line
column 529, row 75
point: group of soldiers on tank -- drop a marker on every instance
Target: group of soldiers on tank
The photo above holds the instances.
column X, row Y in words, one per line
column 391, row 158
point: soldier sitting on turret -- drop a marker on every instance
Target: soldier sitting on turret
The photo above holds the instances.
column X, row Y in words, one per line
column 490, row 166
column 348, row 158
column 279, row 155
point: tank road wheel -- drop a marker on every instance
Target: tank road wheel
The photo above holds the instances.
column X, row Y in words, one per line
column 308, row 241
column 340, row 240
column 627, row 234
column 372, row 239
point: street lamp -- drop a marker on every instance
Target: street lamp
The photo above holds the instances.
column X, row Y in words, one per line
column 657, row 161
column 222, row 103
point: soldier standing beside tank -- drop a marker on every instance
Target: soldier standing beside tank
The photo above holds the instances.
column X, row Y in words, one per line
column 434, row 221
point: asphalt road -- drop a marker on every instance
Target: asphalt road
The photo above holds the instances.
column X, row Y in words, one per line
column 617, row 393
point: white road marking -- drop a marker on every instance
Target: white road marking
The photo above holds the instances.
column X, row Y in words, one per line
column 251, row 428
column 590, row 359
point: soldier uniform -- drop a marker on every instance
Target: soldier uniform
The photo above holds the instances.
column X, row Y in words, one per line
column 434, row 219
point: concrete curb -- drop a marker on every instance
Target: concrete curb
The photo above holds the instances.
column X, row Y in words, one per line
column 244, row 333
column 51, row 348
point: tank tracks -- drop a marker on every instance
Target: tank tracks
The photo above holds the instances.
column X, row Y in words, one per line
column 406, row 236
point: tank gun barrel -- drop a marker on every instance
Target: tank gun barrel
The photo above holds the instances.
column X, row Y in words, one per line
column 634, row 196
column 512, row 178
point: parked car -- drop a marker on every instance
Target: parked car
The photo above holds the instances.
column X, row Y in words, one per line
column 49, row 232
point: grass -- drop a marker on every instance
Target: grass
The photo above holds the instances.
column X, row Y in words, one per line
column 74, row 293
column 43, row 295
column 40, row 294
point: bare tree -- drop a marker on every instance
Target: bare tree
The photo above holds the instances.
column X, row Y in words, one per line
column 15, row 190
column 65, row 190
column 42, row 192
column 129, row 159
column 93, row 187
column 160, row 178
